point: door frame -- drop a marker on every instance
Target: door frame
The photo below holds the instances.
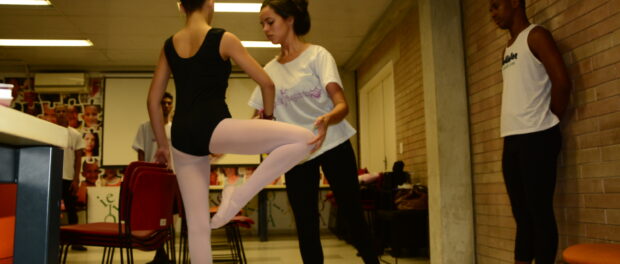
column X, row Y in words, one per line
column 390, row 116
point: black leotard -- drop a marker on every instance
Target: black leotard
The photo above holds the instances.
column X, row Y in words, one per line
column 201, row 82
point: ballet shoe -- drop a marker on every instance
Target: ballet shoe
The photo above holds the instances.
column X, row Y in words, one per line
column 227, row 209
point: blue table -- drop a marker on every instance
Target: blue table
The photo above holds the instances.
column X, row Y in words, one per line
column 31, row 156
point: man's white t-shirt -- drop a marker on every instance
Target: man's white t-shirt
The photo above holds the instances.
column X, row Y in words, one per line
column 75, row 143
column 301, row 94
column 145, row 140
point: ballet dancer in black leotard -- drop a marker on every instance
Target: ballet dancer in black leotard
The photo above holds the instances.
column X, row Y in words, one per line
column 198, row 56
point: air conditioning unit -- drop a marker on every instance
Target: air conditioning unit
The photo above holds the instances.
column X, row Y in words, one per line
column 60, row 83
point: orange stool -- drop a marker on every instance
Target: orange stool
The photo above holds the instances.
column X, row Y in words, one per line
column 8, row 197
column 592, row 254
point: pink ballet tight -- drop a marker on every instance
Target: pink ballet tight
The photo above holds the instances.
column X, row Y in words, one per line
column 286, row 144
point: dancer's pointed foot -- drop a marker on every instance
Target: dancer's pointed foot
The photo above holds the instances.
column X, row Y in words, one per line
column 227, row 209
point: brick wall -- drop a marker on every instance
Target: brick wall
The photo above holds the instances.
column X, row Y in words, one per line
column 588, row 192
column 402, row 45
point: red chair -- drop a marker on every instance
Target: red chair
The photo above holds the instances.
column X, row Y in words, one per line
column 234, row 235
column 145, row 210
column 233, row 243
column 134, row 168
column 8, row 195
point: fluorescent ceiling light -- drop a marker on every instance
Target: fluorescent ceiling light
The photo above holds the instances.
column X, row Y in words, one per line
column 25, row 2
column 46, row 42
column 259, row 44
column 237, row 7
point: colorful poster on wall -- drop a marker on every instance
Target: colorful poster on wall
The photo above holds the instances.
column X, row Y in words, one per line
column 83, row 113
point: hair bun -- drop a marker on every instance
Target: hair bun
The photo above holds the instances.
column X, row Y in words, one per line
column 302, row 5
column 292, row 8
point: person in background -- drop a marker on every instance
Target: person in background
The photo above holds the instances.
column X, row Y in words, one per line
column 31, row 106
column 71, row 167
column 232, row 176
column 49, row 113
column 91, row 139
column 214, row 177
column 111, row 178
column 145, row 143
column 73, row 112
column 90, row 117
column 309, row 93
column 90, row 172
column 534, row 99
column 198, row 56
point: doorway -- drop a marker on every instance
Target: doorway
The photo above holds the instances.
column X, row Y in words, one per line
column 378, row 121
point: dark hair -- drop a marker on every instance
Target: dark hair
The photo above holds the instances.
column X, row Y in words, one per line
column 298, row 9
column 192, row 5
column 398, row 166
column 96, row 136
column 167, row 95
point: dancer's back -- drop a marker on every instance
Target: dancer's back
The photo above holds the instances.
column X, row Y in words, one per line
column 201, row 79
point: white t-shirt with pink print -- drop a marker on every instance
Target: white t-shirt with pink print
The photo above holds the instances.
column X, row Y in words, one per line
column 301, row 94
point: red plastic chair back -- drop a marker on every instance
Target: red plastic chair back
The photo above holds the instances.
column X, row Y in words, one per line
column 132, row 166
column 8, row 196
column 127, row 182
column 130, row 170
column 152, row 199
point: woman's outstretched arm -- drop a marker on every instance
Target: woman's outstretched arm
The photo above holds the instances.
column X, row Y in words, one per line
column 231, row 48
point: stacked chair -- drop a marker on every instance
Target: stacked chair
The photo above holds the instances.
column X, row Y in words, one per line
column 233, row 243
column 8, row 196
column 146, row 202
column 229, row 250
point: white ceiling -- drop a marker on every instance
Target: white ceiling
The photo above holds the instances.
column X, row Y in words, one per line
column 128, row 34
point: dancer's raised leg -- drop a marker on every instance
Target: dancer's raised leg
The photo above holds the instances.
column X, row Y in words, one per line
column 193, row 177
column 286, row 144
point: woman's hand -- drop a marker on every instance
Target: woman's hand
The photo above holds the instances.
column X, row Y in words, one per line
column 321, row 123
column 336, row 115
column 162, row 156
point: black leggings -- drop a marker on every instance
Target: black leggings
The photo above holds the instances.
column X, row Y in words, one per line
column 529, row 167
column 302, row 186
column 70, row 201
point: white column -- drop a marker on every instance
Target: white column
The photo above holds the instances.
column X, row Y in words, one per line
column 451, row 217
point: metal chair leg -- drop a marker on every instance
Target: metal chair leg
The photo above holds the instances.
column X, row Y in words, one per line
column 64, row 253
column 104, row 257
column 111, row 255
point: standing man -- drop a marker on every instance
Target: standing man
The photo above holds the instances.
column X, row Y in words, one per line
column 534, row 99
column 145, row 143
column 71, row 167
column 146, row 146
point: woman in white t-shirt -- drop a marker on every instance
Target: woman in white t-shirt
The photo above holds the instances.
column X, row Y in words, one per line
column 309, row 93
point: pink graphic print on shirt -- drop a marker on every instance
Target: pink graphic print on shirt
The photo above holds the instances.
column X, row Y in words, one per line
column 285, row 98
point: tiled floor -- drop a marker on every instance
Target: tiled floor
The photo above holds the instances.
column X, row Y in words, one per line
column 278, row 250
